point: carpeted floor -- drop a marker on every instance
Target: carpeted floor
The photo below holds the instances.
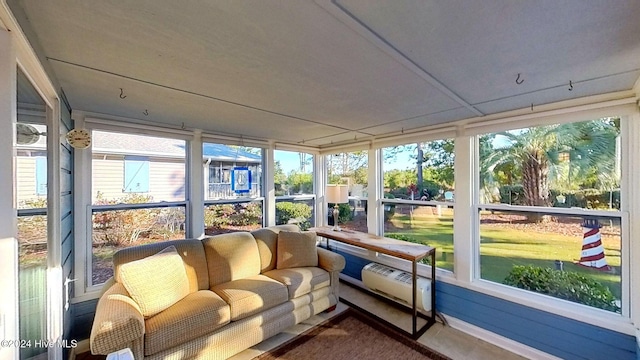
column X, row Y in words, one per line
column 351, row 335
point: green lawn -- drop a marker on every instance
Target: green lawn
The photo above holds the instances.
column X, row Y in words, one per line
column 502, row 247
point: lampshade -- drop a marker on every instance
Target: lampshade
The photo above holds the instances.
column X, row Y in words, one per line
column 337, row 194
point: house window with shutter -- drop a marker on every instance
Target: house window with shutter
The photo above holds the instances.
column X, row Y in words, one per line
column 41, row 176
column 136, row 174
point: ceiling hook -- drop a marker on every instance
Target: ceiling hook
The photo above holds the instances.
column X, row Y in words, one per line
column 570, row 85
column 122, row 95
column 146, row 112
column 518, row 80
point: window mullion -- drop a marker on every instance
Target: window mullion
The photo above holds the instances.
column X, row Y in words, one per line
column 464, row 217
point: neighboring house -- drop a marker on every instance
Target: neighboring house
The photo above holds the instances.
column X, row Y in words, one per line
column 31, row 172
column 125, row 164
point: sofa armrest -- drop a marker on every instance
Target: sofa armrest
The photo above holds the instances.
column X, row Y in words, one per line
column 118, row 322
column 330, row 261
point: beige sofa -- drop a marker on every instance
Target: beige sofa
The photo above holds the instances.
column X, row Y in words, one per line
column 236, row 290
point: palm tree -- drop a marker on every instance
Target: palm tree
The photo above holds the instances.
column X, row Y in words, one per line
column 534, row 153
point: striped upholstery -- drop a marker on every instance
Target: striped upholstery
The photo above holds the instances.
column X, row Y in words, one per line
column 267, row 240
column 231, row 257
column 191, row 251
column 300, row 281
column 251, row 295
column 197, row 314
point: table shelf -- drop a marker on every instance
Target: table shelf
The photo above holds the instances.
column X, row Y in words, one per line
column 395, row 248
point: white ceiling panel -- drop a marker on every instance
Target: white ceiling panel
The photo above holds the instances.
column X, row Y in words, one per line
column 165, row 106
column 477, row 48
column 561, row 92
column 421, row 121
column 289, row 58
column 330, row 71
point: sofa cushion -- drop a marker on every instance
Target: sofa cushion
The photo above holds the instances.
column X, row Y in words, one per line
column 231, row 257
column 297, row 249
column 156, row 282
column 251, row 295
column 199, row 313
column 190, row 250
column 300, row 281
column 267, row 240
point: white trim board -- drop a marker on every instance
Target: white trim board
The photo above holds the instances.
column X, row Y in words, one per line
column 498, row 340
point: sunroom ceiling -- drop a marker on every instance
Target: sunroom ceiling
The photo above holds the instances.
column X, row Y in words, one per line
column 324, row 72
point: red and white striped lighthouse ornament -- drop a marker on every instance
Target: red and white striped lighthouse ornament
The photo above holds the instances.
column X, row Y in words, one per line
column 592, row 249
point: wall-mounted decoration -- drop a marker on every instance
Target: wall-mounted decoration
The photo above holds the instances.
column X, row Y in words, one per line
column 79, row 138
column 241, row 179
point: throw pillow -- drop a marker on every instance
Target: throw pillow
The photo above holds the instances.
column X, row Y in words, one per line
column 156, row 282
column 296, row 249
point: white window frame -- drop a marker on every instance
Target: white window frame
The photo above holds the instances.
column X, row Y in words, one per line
column 617, row 322
column 466, row 222
column 83, row 288
column 300, row 197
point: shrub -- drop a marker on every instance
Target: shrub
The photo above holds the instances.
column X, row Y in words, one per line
column 565, row 285
column 586, row 198
column 431, row 188
column 247, row 214
column 389, row 209
column 345, row 213
column 300, row 212
column 218, row 216
column 226, row 215
column 411, row 239
column 512, row 194
column 118, row 227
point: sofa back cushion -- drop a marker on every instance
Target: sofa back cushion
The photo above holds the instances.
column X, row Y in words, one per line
column 231, row 256
column 156, row 282
column 267, row 240
column 191, row 251
column 297, row 249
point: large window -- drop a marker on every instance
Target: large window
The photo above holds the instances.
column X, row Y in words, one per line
column 549, row 211
column 351, row 169
column 419, row 195
column 138, row 195
column 233, row 188
column 295, row 195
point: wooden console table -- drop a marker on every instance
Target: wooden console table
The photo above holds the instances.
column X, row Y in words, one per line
column 396, row 248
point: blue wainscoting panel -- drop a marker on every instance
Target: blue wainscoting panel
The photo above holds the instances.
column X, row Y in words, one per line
column 553, row 334
column 83, row 314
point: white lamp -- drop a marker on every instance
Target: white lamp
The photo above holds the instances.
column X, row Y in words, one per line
column 336, row 194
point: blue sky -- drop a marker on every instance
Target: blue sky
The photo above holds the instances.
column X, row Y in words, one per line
column 402, row 161
column 291, row 161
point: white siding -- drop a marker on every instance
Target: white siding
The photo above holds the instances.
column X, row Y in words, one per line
column 166, row 180
column 107, row 178
column 26, row 179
